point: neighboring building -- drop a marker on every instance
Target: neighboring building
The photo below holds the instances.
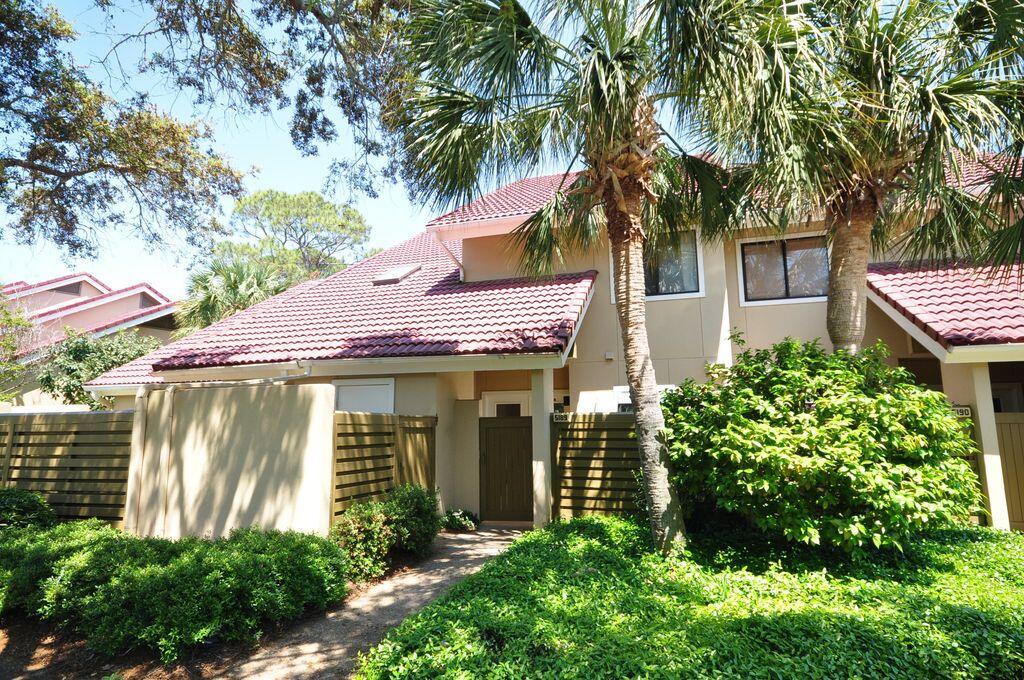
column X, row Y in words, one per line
column 443, row 324
column 82, row 302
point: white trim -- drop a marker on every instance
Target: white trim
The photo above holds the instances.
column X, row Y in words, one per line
column 59, row 283
column 970, row 354
column 695, row 295
column 457, row 231
column 742, row 289
column 929, row 343
column 567, row 352
column 70, row 307
column 490, row 400
column 451, row 256
column 387, row 383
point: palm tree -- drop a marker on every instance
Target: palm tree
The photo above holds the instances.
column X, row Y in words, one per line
column 505, row 90
column 223, row 288
column 876, row 134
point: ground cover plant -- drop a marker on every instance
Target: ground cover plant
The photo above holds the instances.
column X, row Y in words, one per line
column 460, row 520
column 835, row 448
column 122, row 592
column 24, row 508
column 588, row 598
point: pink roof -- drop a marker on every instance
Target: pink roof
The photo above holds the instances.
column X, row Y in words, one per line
column 524, row 197
column 73, row 305
column 346, row 316
column 163, row 309
column 955, row 304
column 20, row 287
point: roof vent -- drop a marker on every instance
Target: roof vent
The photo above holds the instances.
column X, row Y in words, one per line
column 396, row 274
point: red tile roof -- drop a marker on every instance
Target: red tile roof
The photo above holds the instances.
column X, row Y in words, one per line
column 524, row 197
column 955, row 304
column 428, row 313
column 527, row 196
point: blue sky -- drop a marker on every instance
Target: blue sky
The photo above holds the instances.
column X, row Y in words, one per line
column 260, row 143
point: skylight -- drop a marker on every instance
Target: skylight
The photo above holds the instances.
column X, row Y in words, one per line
column 396, row 274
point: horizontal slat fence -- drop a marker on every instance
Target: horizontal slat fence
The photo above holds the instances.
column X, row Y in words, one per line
column 376, row 451
column 596, row 463
column 78, row 461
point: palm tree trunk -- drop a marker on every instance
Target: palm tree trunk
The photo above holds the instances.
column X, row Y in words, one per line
column 847, row 276
column 626, row 238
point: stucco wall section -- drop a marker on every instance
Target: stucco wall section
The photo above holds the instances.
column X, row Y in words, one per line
column 215, row 459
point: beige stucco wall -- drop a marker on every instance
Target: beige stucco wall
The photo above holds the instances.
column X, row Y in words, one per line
column 49, row 298
column 214, row 459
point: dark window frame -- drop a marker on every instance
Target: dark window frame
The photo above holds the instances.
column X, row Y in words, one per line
column 698, row 264
column 785, row 269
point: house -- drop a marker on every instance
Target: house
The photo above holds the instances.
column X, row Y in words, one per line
column 85, row 303
column 445, row 325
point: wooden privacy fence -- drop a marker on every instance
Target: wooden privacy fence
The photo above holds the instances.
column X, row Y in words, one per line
column 596, row 463
column 376, row 451
column 78, row 461
column 1010, row 430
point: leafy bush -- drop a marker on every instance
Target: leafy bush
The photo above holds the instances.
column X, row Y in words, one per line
column 364, row 531
column 822, row 447
column 23, row 508
column 81, row 357
column 412, row 510
column 585, row 598
column 123, row 592
column 458, row 519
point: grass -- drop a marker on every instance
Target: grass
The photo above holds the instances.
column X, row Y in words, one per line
column 587, row 599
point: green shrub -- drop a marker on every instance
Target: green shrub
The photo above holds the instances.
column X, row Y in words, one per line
column 364, row 531
column 23, row 508
column 458, row 519
column 123, row 592
column 821, row 447
column 412, row 510
column 587, row 599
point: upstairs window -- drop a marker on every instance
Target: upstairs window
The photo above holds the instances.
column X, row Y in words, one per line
column 672, row 267
column 787, row 269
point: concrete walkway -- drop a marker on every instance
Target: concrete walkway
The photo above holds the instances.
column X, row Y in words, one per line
column 330, row 646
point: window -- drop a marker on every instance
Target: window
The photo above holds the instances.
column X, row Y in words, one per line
column 508, row 410
column 673, row 267
column 787, row 269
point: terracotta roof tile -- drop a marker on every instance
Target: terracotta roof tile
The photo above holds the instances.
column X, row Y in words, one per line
column 429, row 313
column 163, row 309
column 955, row 304
column 524, row 197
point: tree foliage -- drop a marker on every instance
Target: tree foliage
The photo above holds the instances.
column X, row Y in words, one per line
column 304, row 235
column 13, row 328
column 80, row 357
column 874, row 127
column 339, row 66
column 224, row 287
column 823, row 448
column 74, row 161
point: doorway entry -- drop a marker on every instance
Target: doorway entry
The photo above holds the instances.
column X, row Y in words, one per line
column 506, row 461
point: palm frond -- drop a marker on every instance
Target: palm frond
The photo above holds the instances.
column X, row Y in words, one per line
column 570, row 223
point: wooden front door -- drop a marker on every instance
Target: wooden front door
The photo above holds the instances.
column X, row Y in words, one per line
column 506, row 459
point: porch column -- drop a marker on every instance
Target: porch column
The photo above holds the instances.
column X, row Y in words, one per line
column 542, row 397
column 969, row 385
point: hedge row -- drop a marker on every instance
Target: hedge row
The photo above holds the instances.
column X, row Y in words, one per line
column 122, row 592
